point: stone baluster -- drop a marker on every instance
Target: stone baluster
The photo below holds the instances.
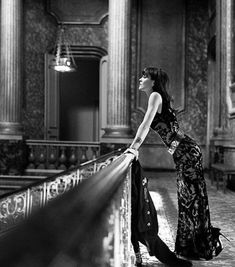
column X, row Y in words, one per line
column 84, row 155
column 52, row 158
column 95, row 151
column 72, row 158
column 31, row 158
column 62, row 159
column 42, row 158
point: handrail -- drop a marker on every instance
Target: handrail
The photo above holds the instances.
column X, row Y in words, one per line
column 76, row 228
column 57, row 143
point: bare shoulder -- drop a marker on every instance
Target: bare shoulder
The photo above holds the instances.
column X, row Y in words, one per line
column 155, row 97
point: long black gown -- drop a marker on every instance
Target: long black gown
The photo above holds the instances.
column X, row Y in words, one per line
column 144, row 223
column 196, row 238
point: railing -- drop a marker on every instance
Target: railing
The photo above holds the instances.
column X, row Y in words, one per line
column 51, row 155
column 23, row 161
column 87, row 226
column 16, row 206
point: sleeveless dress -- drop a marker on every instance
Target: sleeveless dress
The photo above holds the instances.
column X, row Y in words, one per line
column 196, row 238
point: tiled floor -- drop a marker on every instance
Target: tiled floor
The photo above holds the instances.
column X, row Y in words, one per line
column 162, row 187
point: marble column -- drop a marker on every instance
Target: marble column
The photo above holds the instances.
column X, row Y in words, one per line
column 11, row 76
column 222, row 102
column 118, row 109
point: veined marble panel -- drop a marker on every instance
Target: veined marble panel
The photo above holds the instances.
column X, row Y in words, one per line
column 194, row 119
column 40, row 30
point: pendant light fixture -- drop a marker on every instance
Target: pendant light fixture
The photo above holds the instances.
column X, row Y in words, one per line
column 63, row 60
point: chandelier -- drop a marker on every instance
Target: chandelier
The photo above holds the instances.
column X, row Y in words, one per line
column 63, row 60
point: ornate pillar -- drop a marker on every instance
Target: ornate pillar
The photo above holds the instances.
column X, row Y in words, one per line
column 11, row 77
column 222, row 92
column 118, row 110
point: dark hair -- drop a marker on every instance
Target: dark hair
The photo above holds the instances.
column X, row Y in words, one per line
column 161, row 81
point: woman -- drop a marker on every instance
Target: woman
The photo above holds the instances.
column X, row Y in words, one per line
column 196, row 238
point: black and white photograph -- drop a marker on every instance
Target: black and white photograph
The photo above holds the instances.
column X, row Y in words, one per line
column 117, row 133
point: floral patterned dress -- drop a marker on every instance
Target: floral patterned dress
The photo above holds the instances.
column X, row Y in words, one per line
column 196, row 238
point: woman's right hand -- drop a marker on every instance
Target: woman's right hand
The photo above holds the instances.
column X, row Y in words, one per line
column 133, row 151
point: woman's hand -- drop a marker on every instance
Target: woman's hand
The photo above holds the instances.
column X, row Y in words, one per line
column 133, row 151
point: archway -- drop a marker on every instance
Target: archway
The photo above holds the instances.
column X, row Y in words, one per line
column 72, row 109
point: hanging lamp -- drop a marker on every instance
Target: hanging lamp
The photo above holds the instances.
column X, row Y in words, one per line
column 63, row 60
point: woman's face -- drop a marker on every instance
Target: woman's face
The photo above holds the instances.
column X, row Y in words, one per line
column 146, row 83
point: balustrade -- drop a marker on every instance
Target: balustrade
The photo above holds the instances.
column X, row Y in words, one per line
column 58, row 155
column 88, row 226
column 16, row 206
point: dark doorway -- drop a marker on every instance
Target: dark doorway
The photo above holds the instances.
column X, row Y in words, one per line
column 79, row 101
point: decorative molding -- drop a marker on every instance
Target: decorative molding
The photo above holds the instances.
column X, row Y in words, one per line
column 52, row 85
column 87, row 51
column 78, row 12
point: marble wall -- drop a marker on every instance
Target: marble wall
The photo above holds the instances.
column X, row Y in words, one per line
column 39, row 37
column 193, row 120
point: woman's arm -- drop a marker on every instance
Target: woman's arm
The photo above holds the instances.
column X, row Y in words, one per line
column 155, row 100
